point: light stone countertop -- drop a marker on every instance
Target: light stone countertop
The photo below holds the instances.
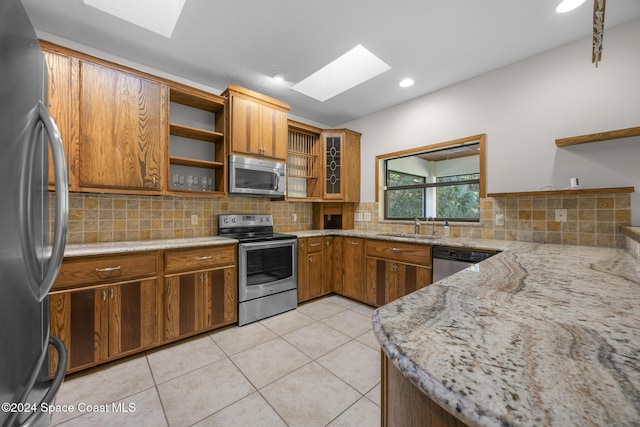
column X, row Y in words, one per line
column 88, row 249
column 538, row 335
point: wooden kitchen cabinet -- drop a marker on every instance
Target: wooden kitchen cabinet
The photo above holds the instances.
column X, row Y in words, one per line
column 333, row 263
column 312, row 275
column 395, row 269
column 200, row 290
column 62, row 96
column 103, row 308
column 121, row 131
column 341, row 165
column 256, row 124
column 353, row 268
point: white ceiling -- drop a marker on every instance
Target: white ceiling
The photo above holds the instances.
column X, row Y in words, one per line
column 437, row 43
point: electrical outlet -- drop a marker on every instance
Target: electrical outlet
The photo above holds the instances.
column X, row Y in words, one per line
column 561, row 215
column 367, row 216
column 294, row 217
column 194, row 219
column 359, row 216
column 499, row 220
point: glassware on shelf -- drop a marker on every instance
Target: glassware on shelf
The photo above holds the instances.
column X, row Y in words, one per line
column 204, row 183
column 175, row 178
column 210, row 183
column 190, row 182
column 181, row 181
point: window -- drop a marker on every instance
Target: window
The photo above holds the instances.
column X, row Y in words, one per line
column 442, row 181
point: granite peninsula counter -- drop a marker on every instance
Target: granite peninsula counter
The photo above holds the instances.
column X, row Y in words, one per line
column 538, row 335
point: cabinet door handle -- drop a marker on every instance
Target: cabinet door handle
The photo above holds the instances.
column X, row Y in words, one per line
column 310, row 259
column 326, row 244
column 301, row 245
column 108, row 269
column 394, row 267
column 111, row 293
column 202, row 258
column 104, row 295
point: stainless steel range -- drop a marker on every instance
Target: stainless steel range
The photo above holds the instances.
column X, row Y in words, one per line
column 267, row 266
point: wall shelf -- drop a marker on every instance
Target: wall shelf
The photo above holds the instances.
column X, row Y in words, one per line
column 184, row 161
column 579, row 191
column 195, row 133
column 601, row 136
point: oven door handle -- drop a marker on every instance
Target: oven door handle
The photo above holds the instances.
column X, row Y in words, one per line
column 269, row 244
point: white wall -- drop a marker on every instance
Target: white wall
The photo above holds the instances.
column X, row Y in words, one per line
column 523, row 108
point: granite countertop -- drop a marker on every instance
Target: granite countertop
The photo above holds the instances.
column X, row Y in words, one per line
column 87, row 249
column 538, row 335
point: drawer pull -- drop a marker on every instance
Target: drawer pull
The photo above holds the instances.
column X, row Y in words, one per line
column 108, row 269
column 395, row 249
column 313, row 245
column 202, row 258
column 354, row 243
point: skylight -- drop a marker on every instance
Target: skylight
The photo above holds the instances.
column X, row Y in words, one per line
column 351, row 69
column 159, row 16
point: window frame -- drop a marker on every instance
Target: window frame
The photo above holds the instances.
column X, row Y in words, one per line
column 382, row 173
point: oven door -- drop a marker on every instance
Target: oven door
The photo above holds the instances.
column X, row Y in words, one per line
column 266, row 268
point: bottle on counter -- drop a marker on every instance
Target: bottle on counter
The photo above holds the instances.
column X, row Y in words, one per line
column 446, row 229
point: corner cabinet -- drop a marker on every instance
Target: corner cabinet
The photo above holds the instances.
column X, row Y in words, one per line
column 200, row 290
column 341, row 162
column 105, row 307
column 256, row 124
column 197, row 159
column 121, row 131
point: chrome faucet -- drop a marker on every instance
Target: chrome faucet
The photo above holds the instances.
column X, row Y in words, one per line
column 417, row 225
column 433, row 224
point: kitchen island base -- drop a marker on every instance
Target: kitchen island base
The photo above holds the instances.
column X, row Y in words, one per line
column 403, row 405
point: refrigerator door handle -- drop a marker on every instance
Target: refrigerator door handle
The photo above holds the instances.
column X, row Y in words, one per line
column 62, row 201
column 53, row 388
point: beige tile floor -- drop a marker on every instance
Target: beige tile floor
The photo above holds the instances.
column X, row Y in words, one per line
column 318, row 365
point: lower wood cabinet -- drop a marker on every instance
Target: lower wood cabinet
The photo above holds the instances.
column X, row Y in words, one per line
column 100, row 323
column 200, row 290
column 312, row 269
column 353, row 268
column 195, row 302
column 394, row 269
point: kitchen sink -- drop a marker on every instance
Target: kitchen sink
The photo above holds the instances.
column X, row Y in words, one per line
column 411, row 236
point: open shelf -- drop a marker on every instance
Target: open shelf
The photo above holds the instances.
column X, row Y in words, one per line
column 184, row 161
column 611, row 190
column 195, row 133
column 196, row 142
column 601, row 136
column 212, row 103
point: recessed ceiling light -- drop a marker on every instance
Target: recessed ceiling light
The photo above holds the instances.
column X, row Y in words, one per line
column 278, row 77
column 568, row 5
column 406, row 83
column 351, row 69
column 159, row 16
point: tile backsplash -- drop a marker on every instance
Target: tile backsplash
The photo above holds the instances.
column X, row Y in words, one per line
column 592, row 220
column 110, row 218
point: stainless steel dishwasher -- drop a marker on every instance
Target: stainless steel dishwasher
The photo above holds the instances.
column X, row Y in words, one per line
column 449, row 260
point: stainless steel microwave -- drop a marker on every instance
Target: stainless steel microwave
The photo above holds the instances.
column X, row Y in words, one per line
column 257, row 177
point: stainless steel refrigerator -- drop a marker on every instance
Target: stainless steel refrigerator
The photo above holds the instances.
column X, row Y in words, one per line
column 28, row 262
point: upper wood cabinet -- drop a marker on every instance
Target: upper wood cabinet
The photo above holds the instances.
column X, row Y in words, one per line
column 62, row 96
column 341, row 162
column 256, row 124
column 121, row 132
